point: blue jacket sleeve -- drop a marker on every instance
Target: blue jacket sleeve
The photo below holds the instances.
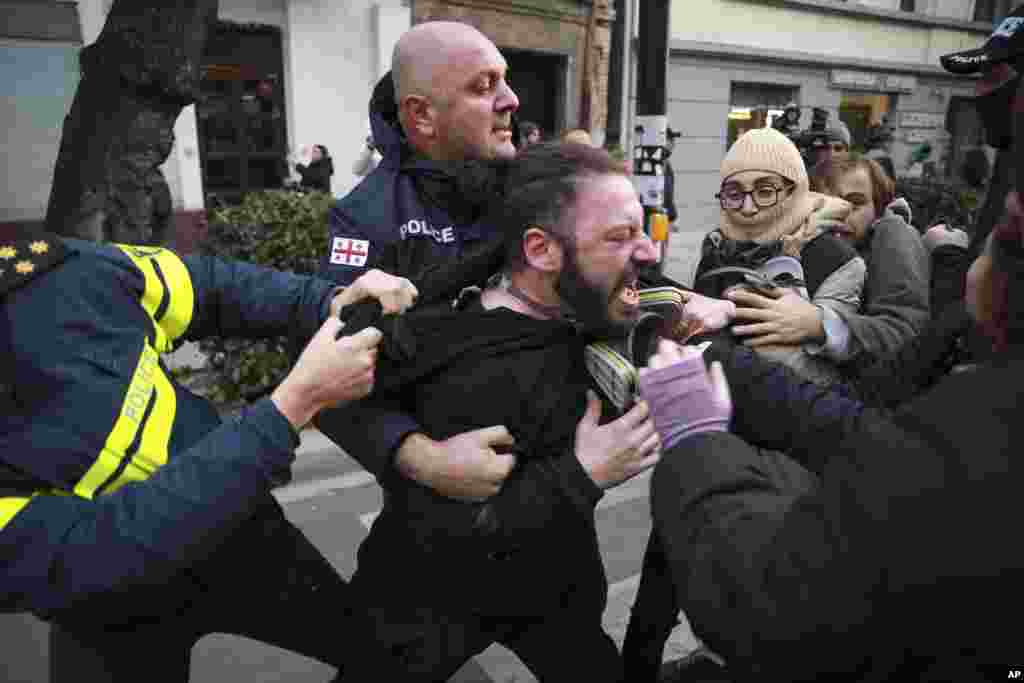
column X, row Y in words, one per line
column 59, row 551
column 237, row 299
column 370, row 431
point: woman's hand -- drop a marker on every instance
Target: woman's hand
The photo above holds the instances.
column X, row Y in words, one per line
column 782, row 318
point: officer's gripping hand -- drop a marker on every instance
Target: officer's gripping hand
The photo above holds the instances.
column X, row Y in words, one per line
column 395, row 294
column 616, row 451
column 471, row 466
column 329, row 371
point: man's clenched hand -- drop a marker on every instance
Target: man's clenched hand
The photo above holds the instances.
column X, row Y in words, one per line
column 395, row 294
column 329, row 371
column 471, row 466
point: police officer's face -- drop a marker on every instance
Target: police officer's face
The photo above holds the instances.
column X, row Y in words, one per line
column 476, row 106
column 599, row 271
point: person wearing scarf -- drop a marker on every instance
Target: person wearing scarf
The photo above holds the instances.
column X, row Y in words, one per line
column 771, row 222
column 896, row 291
column 861, row 556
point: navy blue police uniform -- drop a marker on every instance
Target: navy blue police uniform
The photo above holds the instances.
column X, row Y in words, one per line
column 404, row 198
column 131, row 517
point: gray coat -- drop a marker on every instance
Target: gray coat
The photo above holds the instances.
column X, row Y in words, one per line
column 896, row 303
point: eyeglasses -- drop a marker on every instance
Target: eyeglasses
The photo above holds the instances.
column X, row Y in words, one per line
column 764, row 196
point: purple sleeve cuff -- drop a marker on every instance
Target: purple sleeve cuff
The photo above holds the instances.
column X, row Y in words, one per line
column 682, row 401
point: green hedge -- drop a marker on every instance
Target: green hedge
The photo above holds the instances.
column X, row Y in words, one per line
column 280, row 229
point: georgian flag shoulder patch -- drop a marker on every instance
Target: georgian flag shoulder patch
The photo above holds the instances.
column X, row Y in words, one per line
column 346, row 251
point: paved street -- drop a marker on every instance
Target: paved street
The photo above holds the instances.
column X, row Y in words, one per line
column 334, row 501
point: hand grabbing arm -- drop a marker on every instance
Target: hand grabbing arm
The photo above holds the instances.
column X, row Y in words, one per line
column 781, row 318
column 395, row 294
column 471, row 466
column 329, row 371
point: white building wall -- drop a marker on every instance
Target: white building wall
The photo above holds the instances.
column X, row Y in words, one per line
column 336, row 52
column 184, row 160
column 962, row 10
column 270, row 12
column 884, row 4
column 810, row 31
column 92, row 14
column 37, row 85
column 715, row 39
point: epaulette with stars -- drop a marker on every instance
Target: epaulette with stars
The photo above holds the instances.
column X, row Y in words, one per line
column 26, row 253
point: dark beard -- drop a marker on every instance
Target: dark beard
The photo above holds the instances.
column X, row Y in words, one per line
column 589, row 303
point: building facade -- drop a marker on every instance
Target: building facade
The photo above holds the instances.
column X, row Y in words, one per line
column 282, row 75
column 734, row 64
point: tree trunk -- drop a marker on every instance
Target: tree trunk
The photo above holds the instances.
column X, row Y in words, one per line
column 136, row 78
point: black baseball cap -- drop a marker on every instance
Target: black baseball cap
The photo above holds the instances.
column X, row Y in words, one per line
column 1006, row 43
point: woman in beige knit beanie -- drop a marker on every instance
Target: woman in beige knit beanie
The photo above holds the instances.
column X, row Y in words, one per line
column 773, row 224
column 765, row 193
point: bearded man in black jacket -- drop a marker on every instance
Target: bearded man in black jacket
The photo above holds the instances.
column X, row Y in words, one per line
column 523, row 568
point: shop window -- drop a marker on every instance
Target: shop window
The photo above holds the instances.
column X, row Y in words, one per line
column 240, row 112
column 755, row 105
column 863, row 113
column 992, row 10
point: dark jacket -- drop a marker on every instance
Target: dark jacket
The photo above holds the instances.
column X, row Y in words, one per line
column 992, row 210
column 408, row 215
column 406, row 197
column 494, row 557
column 775, row 410
column 874, row 570
column 948, row 280
column 316, row 176
column 833, row 272
column 94, row 413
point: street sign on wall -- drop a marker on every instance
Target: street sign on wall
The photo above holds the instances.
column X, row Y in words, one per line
column 916, row 135
column 868, row 80
column 921, row 119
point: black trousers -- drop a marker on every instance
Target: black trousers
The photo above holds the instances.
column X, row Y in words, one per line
column 266, row 581
column 430, row 644
column 654, row 615
column 663, row 585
